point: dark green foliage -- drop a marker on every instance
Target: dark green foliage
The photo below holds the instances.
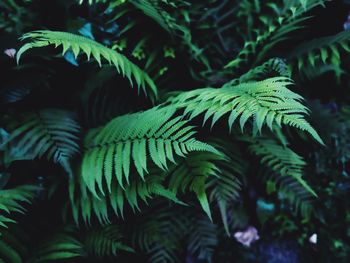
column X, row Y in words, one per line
column 93, row 171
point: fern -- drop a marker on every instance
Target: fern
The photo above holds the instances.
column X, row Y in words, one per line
column 153, row 9
column 300, row 198
column 12, row 249
column 84, row 204
column 203, row 237
column 225, row 189
column 53, row 133
column 268, row 101
column 61, row 246
column 160, row 234
column 325, row 50
column 78, row 44
column 280, row 159
column 192, row 174
column 129, row 139
column 287, row 18
column 274, row 67
column 11, row 200
column 105, row 241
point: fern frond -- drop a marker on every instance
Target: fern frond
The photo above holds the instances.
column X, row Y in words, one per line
column 85, row 204
column 160, row 232
column 276, row 28
column 129, row 139
column 11, row 201
column 325, row 50
column 105, row 241
column 274, row 67
column 224, row 190
column 78, row 44
column 51, row 132
column 203, row 237
column 297, row 196
column 61, row 246
column 280, row 159
column 12, row 249
column 192, row 173
column 153, row 9
column 265, row 102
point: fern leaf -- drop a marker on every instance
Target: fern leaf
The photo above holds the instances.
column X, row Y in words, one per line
column 85, row 204
column 105, row 241
column 280, row 159
column 53, row 133
column 203, row 237
column 265, row 102
column 11, row 200
column 131, row 139
column 321, row 51
column 224, row 190
column 61, row 246
column 78, row 44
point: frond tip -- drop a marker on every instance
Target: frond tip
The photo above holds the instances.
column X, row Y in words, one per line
column 78, row 44
column 264, row 102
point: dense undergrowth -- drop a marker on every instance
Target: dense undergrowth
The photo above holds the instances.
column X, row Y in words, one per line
column 174, row 131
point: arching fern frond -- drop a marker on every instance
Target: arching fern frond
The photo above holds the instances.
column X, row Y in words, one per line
column 84, row 204
column 160, row 234
column 105, row 241
column 203, row 237
column 78, row 44
column 325, row 50
column 274, row 67
column 52, row 133
column 12, row 248
column 192, row 173
column 293, row 192
column 264, row 102
column 225, row 189
column 12, row 200
column 287, row 18
column 280, row 159
column 63, row 245
column 130, row 139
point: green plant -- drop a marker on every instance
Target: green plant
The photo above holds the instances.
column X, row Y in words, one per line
column 109, row 172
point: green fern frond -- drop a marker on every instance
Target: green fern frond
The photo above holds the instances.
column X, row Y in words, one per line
column 78, row 44
column 62, row 246
column 53, row 133
column 280, row 159
column 298, row 197
column 153, row 9
column 287, row 18
column 192, row 173
column 160, row 233
column 130, row 139
column 105, row 241
column 85, row 204
column 225, row 189
column 203, row 237
column 11, row 201
column 265, row 102
column 274, row 67
column 325, row 50
column 12, row 249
